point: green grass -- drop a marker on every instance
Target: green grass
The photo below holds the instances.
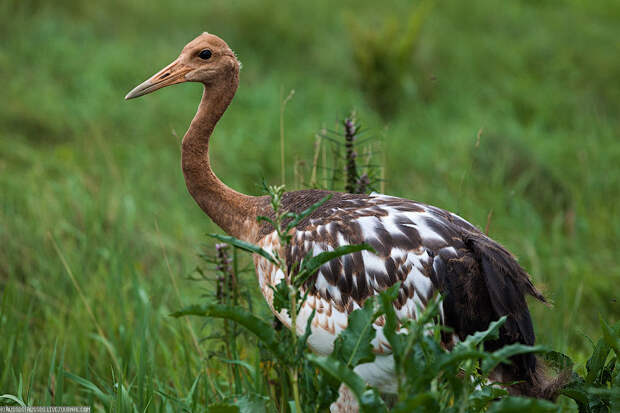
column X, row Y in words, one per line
column 94, row 181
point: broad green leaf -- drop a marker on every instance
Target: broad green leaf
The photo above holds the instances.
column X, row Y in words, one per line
column 423, row 402
column 429, row 314
column 341, row 372
column 479, row 399
column 521, row 405
column 603, row 391
column 503, row 354
column 454, row 358
column 386, row 300
column 491, row 333
column 246, row 246
column 353, row 346
column 368, row 399
column 319, row 390
column 576, row 392
column 604, row 399
column 239, row 315
column 308, row 267
column 252, row 403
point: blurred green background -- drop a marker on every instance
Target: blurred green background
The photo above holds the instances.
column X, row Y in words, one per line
column 508, row 110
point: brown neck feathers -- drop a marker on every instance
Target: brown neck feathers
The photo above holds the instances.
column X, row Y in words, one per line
column 232, row 211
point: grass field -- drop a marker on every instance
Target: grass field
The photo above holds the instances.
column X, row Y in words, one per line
column 505, row 115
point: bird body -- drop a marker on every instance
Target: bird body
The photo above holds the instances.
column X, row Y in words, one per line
column 425, row 248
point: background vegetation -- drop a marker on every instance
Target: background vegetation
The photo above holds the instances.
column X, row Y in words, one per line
column 507, row 116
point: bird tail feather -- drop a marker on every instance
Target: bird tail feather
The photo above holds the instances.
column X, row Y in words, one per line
column 508, row 284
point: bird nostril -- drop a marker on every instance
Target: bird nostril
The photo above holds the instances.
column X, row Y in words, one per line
column 165, row 75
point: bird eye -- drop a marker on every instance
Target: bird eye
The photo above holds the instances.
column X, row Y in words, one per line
column 205, row 54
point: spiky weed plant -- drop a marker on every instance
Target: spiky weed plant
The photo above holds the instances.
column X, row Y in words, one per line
column 352, row 164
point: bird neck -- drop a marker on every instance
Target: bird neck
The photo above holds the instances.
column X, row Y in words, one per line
column 232, row 211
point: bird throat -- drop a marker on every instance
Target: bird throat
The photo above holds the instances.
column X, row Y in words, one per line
column 232, row 211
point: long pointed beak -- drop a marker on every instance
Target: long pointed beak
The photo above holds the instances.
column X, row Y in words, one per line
column 170, row 75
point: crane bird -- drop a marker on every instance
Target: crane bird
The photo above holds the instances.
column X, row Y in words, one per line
column 424, row 247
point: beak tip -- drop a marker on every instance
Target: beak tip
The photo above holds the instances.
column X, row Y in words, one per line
column 134, row 93
column 141, row 89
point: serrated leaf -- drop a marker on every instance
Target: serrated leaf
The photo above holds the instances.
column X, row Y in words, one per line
column 558, row 361
column 246, row 246
column 479, row 399
column 522, row 404
column 368, row 399
column 353, row 346
column 258, row 327
column 281, row 297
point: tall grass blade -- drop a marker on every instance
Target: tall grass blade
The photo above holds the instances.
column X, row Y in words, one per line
column 14, row 399
column 105, row 399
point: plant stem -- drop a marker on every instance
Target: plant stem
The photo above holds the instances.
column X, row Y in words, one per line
column 282, row 108
column 294, row 370
column 295, row 380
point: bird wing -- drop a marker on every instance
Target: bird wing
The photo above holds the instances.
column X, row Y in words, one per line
column 426, row 248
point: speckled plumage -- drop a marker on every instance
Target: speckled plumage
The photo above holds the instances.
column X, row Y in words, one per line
column 425, row 248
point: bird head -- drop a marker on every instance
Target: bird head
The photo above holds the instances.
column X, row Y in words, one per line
column 206, row 59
